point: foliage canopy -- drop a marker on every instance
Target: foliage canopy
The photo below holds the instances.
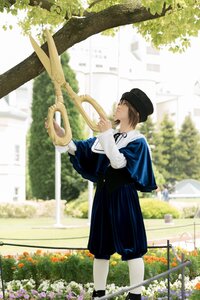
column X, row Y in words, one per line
column 169, row 22
column 181, row 17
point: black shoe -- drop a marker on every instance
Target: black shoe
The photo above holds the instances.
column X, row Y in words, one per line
column 98, row 294
column 131, row 296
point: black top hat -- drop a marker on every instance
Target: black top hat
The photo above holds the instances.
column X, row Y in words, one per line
column 140, row 101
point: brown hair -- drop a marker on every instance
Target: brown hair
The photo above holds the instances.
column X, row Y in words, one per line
column 133, row 115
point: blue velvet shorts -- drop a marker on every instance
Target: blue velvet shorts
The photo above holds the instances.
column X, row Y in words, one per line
column 117, row 224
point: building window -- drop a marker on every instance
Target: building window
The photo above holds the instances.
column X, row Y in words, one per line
column 134, row 46
column 17, row 153
column 16, row 194
column 82, row 64
column 153, row 67
column 197, row 88
column 197, row 112
column 113, row 69
column 152, row 51
column 99, row 66
column 7, row 99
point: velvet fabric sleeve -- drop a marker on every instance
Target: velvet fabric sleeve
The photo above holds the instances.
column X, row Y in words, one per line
column 85, row 162
column 139, row 165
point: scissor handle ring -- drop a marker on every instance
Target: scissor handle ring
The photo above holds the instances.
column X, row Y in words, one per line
column 78, row 100
column 92, row 124
column 97, row 107
column 57, row 140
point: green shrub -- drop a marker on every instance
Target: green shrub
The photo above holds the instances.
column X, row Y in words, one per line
column 190, row 212
column 195, row 295
column 116, row 271
column 157, row 209
column 17, row 210
column 8, row 267
column 46, row 208
column 29, row 209
column 78, row 208
column 151, row 208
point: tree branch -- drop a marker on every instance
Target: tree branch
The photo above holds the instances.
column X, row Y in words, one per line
column 42, row 3
column 74, row 31
column 94, row 3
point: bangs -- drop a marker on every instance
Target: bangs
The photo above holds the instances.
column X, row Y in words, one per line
column 123, row 101
column 133, row 115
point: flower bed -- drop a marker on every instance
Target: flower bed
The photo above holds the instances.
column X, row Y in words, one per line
column 68, row 275
column 60, row 290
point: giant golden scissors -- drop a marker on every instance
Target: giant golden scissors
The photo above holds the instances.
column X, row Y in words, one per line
column 54, row 69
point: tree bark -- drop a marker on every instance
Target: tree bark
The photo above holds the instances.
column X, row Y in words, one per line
column 74, row 31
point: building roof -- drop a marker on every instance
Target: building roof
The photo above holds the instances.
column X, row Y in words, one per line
column 187, row 188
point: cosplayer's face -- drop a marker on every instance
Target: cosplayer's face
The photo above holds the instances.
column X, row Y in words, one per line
column 122, row 110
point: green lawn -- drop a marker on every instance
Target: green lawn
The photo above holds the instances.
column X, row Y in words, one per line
column 74, row 233
column 158, row 229
column 42, row 232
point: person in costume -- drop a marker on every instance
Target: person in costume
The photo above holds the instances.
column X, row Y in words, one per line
column 119, row 162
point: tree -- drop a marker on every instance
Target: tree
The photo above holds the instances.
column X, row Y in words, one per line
column 148, row 129
column 169, row 22
column 188, row 151
column 41, row 156
column 165, row 151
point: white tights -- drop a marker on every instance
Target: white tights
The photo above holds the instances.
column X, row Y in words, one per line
column 136, row 273
column 100, row 273
column 101, row 268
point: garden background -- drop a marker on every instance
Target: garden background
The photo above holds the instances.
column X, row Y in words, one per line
column 61, row 273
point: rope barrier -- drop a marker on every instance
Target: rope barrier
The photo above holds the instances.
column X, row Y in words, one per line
column 44, row 239
column 84, row 237
column 172, row 227
column 67, row 248
column 45, row 247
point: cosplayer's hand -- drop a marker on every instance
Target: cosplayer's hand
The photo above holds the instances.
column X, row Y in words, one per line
column 59, row 130
column 104, row 124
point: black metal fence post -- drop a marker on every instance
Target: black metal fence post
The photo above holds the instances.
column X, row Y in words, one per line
column 168, row 267
column 1, row 274
column 183, row 278
column 194, row 235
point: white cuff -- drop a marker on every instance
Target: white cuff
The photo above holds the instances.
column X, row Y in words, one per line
column 71, row 148
column 62, row 149
column 107, row 141
column 106, row 133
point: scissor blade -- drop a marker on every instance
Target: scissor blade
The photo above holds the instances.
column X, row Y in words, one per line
column 56, row 67
column 42, row 56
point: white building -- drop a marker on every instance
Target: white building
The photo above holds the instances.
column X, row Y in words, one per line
column 14, row 120
column 107, row 67
column 178, row 106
